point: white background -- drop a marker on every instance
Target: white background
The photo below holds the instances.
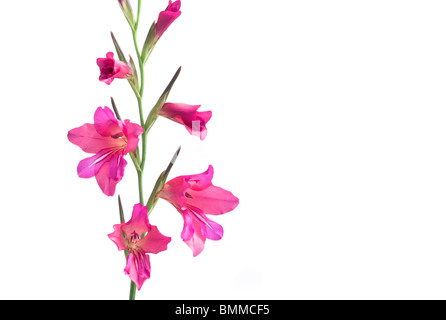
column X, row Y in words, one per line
column 328, row 124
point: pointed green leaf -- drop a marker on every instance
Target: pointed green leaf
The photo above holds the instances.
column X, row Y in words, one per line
column 128, row 13
column 160, row 182
column 118, row 49
column 171, row 163
column 115, row 109
column 121, row 211
column 149, row 44
column 134, row 78
column 135, row 162
column 151, row 118
column 122, row 219
column 136, row 154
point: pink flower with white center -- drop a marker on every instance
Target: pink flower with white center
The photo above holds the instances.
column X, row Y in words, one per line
column 167, row 17
column 139, row 237
column 111, row 68
column 194, row 121
column 194, row 197
column 110, row 139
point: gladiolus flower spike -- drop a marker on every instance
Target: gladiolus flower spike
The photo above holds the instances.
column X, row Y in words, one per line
column 110, row 138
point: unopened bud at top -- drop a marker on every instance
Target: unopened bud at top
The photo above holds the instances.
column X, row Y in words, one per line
column 167, row 17
column 127, row 10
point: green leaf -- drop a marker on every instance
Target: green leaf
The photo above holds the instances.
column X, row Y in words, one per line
column 153, row 115
column 134, row 78
column 121, row 211
column 118, row 49
column 171, row 163
column 115, row 109
column 122, row 219
column 128, row 13
column 149, row 44
column 160, row 182
column 135, row 162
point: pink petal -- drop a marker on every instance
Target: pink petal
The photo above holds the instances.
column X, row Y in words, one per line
column 174, row 192
column 89, row 140
column 117, row 166
column 209, row 229
column 138, row 268
column 138, row 223
column 196, row 242
column 104, row 62
column 106, row 123
column 154, row 241
column 202, row 180
column 187, row 115
column 170, row 109
column 117, row 237
column 174, row 7
column 132, row 131
column 88, row 167
column 106, row 80
column 108, row 182
column 121, row 70
column 166, row 18
column 197, row 126
column 213, row 200
column 188, row 226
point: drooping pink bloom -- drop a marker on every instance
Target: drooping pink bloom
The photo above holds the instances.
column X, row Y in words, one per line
column 194, row 196
column 187, row 115
column 140, row 238
column 111, row 68
column 110, row 139
column 167, row 17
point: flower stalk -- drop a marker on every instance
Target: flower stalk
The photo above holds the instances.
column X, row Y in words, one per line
column 139, row 166
column 110, row 138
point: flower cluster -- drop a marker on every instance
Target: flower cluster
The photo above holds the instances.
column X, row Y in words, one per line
column 110, row 139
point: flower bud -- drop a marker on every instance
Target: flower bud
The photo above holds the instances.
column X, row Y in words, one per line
column 165, row 19
column 128, row 12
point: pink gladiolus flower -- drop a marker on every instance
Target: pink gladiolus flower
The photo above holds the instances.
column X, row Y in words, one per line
column 110, row 139
column 195, row 196
column 111, row 69
column 167, row 17
column 187, row 115
column 140, row 238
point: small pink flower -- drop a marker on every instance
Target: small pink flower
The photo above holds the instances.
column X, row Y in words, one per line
column 110, row 139
column 140, row 238
column 111, row 69
column 195, row 196
column 187, row 115
column 167, row 17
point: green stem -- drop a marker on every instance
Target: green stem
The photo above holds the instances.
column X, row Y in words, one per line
column 132, row 290
column 141, row 89
column 139, row 96
column 140, row 188
column 140, row 107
